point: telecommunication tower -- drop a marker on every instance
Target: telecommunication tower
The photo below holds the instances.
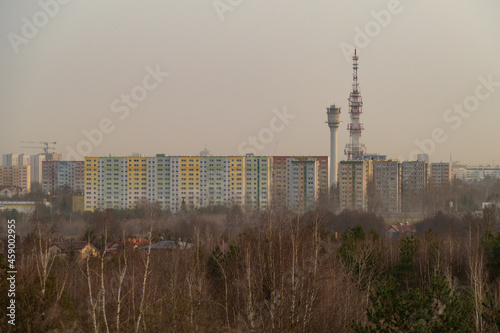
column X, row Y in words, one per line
column 355, row 149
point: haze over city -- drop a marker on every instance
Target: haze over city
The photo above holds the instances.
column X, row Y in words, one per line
column 233, row 68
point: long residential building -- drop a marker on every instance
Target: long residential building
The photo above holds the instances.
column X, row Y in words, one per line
column 187, row 182
column 476, row 173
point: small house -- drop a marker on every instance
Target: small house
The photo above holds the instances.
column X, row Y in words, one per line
column 82, row 248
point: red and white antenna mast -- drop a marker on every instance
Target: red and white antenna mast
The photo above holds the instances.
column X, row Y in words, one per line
column 355, row 149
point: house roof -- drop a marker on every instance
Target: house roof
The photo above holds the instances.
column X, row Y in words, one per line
column 131, row 242
column 401, row 228
column 10, row 188
column 68, row 246
column 167, row 245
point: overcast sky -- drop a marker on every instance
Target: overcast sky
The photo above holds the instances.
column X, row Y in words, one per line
column 240, row 68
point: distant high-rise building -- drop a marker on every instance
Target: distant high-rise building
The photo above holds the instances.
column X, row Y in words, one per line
column 15, row 159
column 23, row 159
column 16, row 175
column 258, row 181
column 302, row 184
column 413, row 185
column 34, row 161
column 115, row 182
column 237, row 174
column 283, row 177
column 53, row 156
column 10, row 159
column 387, row 186
column 58, row 175
column 190, row 189
column 36, row 167
column 441, row 174
column 354, row 180
column 163, row 181
column 279, row 180
column 323, row 173
column 216, row 189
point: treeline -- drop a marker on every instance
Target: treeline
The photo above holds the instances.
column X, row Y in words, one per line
column 263, row 272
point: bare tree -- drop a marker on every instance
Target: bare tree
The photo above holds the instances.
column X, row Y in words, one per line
column 122, row 271
column 43, row 257
column 250, row 298
column 92, row 302
column 153, row 214
column 477, row 275
column 103, row 289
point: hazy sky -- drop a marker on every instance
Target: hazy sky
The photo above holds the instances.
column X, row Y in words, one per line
column 233, row 65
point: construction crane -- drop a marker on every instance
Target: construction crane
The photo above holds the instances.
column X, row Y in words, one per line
column 46, row 146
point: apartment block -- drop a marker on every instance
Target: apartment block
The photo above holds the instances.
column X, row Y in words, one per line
column 24, row 159
column 441, row 174
column 199, row 181
column 112, row 183
column 58, row 175
column 10, row 159
column 216, row 181
column 36, row 164
column 163, row 181
column 413, row 185
column 387, row 186
column 279, row 180
column 258, row 181
column 323, row 173
column 285, row 173
column 53, row 156
column 302, row 183
column 237, row 174
column 16, row 175
column 354, row 179
column 136, row 182
column 34, row 161
column 91, row 182
column 190, row 189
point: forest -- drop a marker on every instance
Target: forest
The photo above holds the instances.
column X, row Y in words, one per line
column 273, row 271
